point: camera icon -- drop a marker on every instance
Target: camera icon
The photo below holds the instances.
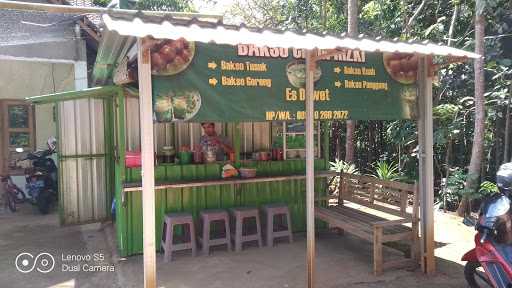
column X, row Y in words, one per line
column 26, row 262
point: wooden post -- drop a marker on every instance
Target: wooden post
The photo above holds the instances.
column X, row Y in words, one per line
column 148, row 169
column 340, row 189
column 426, row 159
column 310, row 168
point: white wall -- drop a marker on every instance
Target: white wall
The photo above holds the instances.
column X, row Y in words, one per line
column 21, row 79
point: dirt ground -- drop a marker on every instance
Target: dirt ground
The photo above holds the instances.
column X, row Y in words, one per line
column 27, row 231
column 342, row 261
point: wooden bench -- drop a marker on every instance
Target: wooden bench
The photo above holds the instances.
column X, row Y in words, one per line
column 377, row 203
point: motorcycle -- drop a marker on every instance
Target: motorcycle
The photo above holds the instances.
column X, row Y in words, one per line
column 41, row 177
column 489, row 264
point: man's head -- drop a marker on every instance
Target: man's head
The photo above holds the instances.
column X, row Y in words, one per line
column 209, row 128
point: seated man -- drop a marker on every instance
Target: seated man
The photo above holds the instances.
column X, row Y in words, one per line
column 214, row 143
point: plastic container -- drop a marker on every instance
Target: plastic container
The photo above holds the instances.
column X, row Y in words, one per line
column 132, row 159
column 264, row 156
column 198, row 157
column 185, row 157
column 168, row 154
column 247, row 172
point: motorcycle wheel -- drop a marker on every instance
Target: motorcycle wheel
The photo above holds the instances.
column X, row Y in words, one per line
column 476, row 277
column 11, row 202
column 43, row 202
column 20, row 197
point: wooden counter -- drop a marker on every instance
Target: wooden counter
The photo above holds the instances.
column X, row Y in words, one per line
column 129, row 187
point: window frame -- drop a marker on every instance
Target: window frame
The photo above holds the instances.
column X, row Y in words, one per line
column 6, row 149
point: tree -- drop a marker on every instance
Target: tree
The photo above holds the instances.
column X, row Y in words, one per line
column 352, row 12
column 413, row 18
column 449, row 22
column 477, row 150
column 165, row 5
column 456, row 4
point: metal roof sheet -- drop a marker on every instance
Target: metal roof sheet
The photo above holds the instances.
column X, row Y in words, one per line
column 202, row 30
column 15, row 27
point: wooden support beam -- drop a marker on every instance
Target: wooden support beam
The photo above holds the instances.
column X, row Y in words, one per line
column 148, row 169
column 89, row 31
column 426, row 159
column 81, row 22
column 310, row 168
column 236, row 181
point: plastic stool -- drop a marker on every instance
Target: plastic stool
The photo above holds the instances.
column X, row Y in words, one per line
column 207, row 218
column 168, row 245
column 240, row 214
column 277, row 209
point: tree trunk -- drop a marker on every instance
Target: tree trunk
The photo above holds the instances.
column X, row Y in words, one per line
column 449, row 149
column 336, row 139
column 506, row 149
column 371, row 142
column 411, row 21
column 456, row 4
column 351, row 124
column 477, row 150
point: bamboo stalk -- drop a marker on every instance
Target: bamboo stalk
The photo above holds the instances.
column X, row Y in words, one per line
column 507, row 128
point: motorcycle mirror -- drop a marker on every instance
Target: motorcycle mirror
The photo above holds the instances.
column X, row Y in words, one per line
column 52, row 143
column 19, row 150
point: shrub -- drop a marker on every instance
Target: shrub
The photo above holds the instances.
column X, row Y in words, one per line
column 386, row 171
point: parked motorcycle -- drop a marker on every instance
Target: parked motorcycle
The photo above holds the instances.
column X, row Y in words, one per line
column 489, row 264
column 41, row 178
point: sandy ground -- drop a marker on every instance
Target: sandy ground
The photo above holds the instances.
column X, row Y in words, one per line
column 342, row 261
column 27, row 231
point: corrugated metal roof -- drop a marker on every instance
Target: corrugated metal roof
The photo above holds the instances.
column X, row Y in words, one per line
column 109, row 52
column 201, row 30
column 94, row 18
column 48, row 27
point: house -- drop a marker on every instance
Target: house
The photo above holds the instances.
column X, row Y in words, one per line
column 40, row 53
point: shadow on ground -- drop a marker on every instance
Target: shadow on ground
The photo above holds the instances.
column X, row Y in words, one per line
column 342, row 261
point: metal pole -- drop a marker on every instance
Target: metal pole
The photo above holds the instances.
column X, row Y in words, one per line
column 148, row 169
column 310, row 168
column 426, row 181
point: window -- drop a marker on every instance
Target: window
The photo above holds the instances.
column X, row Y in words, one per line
column 16, row 131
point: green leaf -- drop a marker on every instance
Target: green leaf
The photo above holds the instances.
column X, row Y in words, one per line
column 505, row 62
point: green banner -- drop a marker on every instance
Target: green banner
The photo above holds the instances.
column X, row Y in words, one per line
column 210, row 82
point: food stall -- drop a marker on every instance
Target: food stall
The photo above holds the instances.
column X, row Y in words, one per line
column 239, row 77
column 194, row 82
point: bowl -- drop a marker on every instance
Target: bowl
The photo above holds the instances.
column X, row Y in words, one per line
column 247, row 172
column 296, row 73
